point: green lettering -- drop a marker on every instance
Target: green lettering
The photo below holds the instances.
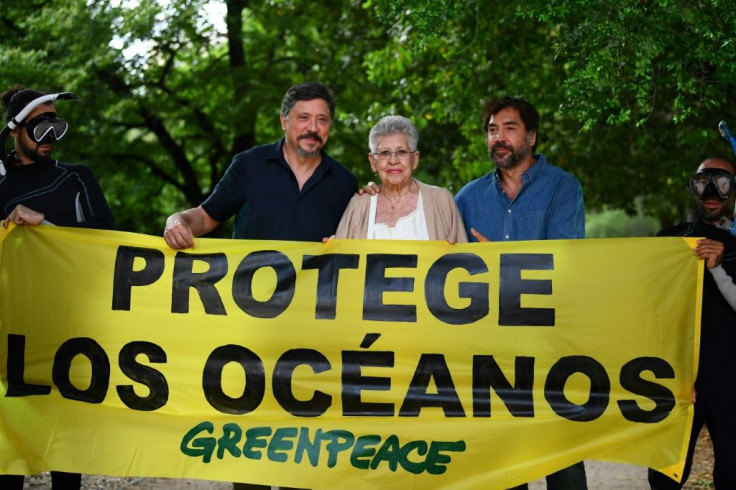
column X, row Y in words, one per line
column 389, row 452
column 361, row 450
column 436, row 460
column 340, row 440
column 280, row 443
column 231, row 435
column 199, row 446
column 255, row 438
column 410, row 466
column 310, row 447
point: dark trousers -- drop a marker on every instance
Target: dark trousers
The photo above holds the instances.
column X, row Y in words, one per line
column 571, row 478
column 11, row 482
column 59, row 481
column 717, row 414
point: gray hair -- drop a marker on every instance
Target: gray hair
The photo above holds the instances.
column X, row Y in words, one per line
column 393, row 125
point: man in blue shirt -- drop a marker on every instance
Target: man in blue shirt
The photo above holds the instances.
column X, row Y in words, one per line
column 288, row 190
column 524, row 198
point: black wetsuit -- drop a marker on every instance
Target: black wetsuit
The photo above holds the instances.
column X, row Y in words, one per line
column 67, row 195
column 715, row 404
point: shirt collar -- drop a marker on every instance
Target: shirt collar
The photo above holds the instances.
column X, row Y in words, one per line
column 277, row 153
column 530, row 175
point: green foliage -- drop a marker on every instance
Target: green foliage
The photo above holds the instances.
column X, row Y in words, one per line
column 631, row 59
column 166, row 100
column 630, row 92
column 615, row 223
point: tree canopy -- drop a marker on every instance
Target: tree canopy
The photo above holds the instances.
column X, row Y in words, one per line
column 630, row 92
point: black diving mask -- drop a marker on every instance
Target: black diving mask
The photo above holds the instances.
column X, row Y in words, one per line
column 46, row 127
column 713, row 183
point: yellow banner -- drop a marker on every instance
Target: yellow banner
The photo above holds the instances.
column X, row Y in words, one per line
column 355, row 364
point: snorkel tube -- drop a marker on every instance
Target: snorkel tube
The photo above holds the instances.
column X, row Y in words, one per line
column 15, row 121
column 723, row 129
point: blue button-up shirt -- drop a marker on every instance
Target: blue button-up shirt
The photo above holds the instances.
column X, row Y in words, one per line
column 548, row 206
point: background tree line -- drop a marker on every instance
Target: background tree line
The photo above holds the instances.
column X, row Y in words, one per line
column 630, row 92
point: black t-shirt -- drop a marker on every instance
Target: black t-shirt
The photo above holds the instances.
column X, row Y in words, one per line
column 67, row 195
column 261, row 191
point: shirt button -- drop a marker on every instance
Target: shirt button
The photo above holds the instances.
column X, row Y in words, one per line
column 508, row 211
column 507, row 237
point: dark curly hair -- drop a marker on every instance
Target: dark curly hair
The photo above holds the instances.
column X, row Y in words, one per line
column 16, row 98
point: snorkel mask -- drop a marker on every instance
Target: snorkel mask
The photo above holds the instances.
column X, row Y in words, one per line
column 46, row 127
column 712, row 183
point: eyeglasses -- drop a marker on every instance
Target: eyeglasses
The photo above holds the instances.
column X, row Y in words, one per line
column 723, row 184
column 44, row 125
column 400, row 154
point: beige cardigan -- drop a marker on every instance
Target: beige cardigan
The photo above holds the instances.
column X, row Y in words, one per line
column 440, row 210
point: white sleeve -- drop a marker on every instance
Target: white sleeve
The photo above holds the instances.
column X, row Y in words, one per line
column 725, row 284
column 372, row 218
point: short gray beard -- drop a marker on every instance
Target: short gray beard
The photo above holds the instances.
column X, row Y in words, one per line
column 307, row 154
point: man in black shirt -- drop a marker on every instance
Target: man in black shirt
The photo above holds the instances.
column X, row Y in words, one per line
column 288, row 190
column 714, row 191
column 35, row 189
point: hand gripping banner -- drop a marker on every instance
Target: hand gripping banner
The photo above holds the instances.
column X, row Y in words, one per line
column 353, row 364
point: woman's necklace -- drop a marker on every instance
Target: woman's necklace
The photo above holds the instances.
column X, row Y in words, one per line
column 393, row 203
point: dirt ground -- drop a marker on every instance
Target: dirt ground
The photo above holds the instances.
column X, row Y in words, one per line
column 701, row 475
column 601, row 476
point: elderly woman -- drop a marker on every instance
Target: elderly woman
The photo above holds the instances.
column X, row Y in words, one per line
column 405, row 208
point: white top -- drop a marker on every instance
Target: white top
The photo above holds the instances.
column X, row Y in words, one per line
column 725, row 284
column 410, row 227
